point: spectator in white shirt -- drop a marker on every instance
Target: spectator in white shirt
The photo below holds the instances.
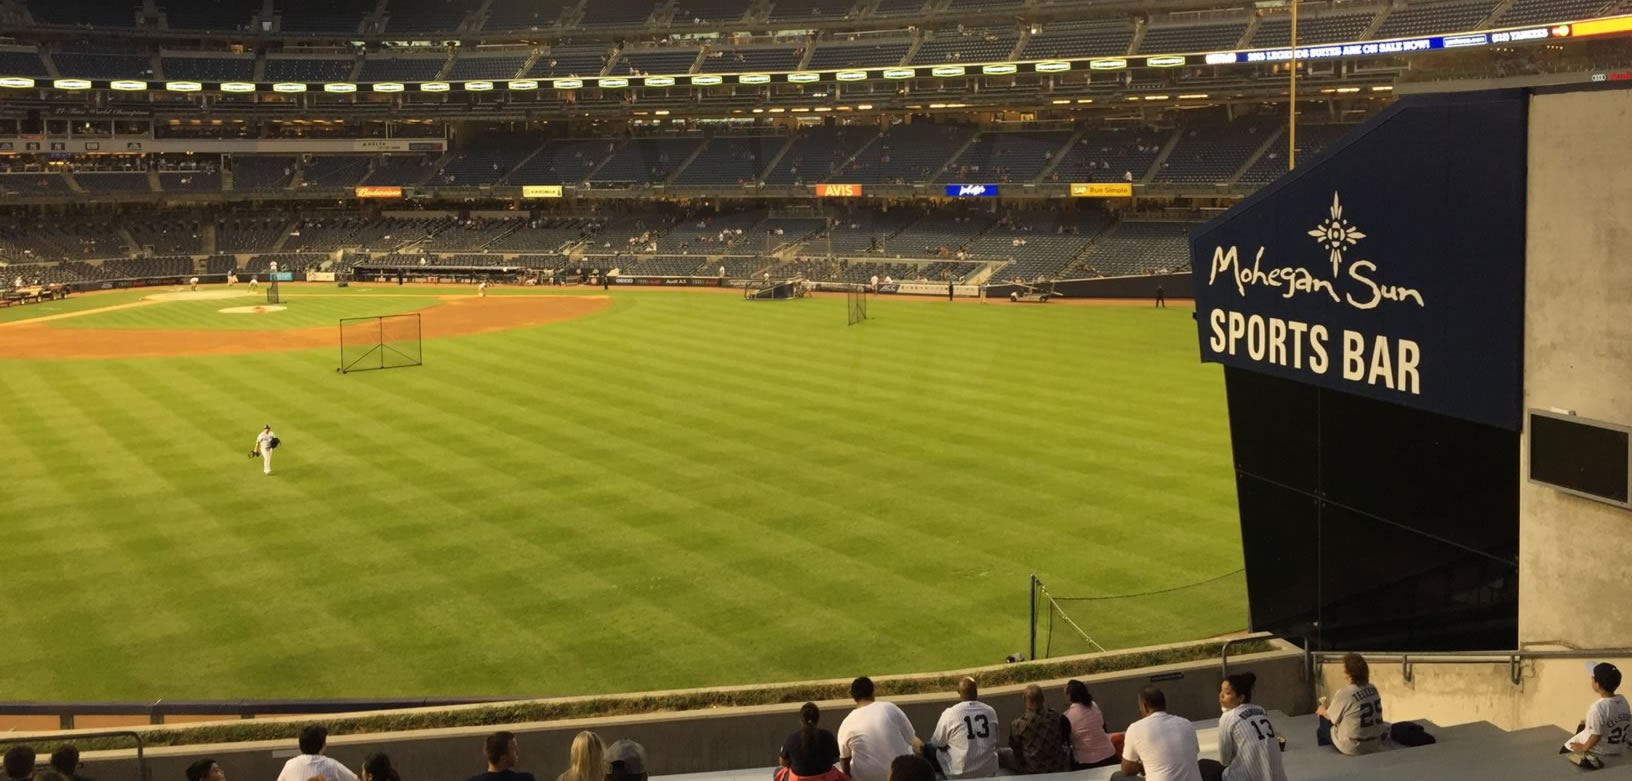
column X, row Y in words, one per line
column 873, row 735
column 1248, row 748
column 1160, row 746
column 1608, row 726
column 964, row 744
column 311, row 763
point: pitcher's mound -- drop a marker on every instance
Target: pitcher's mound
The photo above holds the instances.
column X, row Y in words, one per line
column 198, row 295
column 251, row 310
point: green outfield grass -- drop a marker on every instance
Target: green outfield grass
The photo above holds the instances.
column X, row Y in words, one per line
column 683, row 489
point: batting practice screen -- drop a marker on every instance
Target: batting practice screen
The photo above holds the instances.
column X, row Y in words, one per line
column 858, row 305
column 385, row 342
column 272, row 296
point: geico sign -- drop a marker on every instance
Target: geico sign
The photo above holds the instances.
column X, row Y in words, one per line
column 838, row 190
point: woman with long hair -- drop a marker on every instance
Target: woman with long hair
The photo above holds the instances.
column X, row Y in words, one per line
column 1247, row 744
column 812, row 751
column 378, row 768
column 1090, row 742
column 587, row 759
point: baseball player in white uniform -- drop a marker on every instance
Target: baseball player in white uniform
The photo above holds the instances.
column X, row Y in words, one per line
column 265, row 442
column 193, row 283
column 481, row 289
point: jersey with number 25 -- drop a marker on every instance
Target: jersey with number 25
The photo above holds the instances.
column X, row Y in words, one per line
column 969, row 731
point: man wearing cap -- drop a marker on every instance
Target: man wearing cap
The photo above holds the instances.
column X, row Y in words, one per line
column 1609, row 721
column 625, row 761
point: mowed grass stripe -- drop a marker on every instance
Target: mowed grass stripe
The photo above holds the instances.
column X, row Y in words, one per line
column 773, row 495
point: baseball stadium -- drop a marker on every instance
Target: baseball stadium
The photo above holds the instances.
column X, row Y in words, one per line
column 639, row 389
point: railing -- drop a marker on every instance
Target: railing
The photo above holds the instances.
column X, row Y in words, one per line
column 141, row 754
column 1514, row 658
column 244, row 709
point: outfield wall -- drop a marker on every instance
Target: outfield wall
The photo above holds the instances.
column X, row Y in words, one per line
column 1179, row 285
column 706, row 740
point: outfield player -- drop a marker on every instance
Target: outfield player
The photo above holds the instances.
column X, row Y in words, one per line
column 964, row 744
column 265, row 442
column 1353, row 724
column 254, row 285
column 1248, row 748
column 481, row 288
column 193, row 283
column 1608, row 725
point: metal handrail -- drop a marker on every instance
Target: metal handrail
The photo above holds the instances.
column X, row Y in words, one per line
column 1514, row 658
column 1224, row 651
column 141, row 754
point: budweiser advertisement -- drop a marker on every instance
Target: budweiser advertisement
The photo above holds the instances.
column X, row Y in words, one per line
column 379, row 192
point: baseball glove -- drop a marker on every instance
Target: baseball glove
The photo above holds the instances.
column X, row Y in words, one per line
column 253, row 454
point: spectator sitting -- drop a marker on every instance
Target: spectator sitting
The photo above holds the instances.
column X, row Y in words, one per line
column 1354, row 723
column 587, row 759
column 1040, row 737
column 964, row 744
column 206, row 770
column 873, row 735
column 812, row 751
column 1090, row 742
column 65, row 760
column 311, row 763
column 1160, row 746
column 503, row 754
column 625, row 761
column 1603, row 733
column 19, row 763
column 1248, row 749
column 911, row 767
column 378, row 768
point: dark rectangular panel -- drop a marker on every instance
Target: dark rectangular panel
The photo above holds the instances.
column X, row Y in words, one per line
column 1579, row 456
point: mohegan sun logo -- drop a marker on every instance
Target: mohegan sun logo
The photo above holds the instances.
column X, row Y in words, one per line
column 1355, row 286
column 1336, row 234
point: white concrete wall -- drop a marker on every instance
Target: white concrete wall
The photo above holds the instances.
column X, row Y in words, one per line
column 1549, row 692
column 1574, row 553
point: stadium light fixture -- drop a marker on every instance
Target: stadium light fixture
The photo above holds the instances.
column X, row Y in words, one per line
column 755, row 78
column 289, row 86
column 127, row 85
column 1164, row 62
column 344, row 87
column 899, row 73
column 777, row 109
column 1109, row 64
column 662, row 112
column 851, row 75
column 1383, row 88
column 707, row 81
column 1060, row 101
column 1157, row 97
column 1085, row 100
column 658, row 81
column 1053, row 66
column 1347, row 90
column 947, row 71
column 478, row 86
column 820, row 109
column 804, row 78
column 800, row 109
column 999, row 69
column 183, row 86
column 1196, row 96
column 759, row 111
column 616, row 83
column 389, row 86
column 864, row 107
column 435, row 86
column 72, row 84
column 237, row 86
column 16, row 82
column 568, row 83
column 522, row 85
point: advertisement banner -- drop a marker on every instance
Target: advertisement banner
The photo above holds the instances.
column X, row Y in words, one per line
column 541, row 191
column 281, row 276
column 1392, row 267
column 1102, row 190
column 378, row 192
column 320, row 276
column 838, row 191
column 971, row 191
